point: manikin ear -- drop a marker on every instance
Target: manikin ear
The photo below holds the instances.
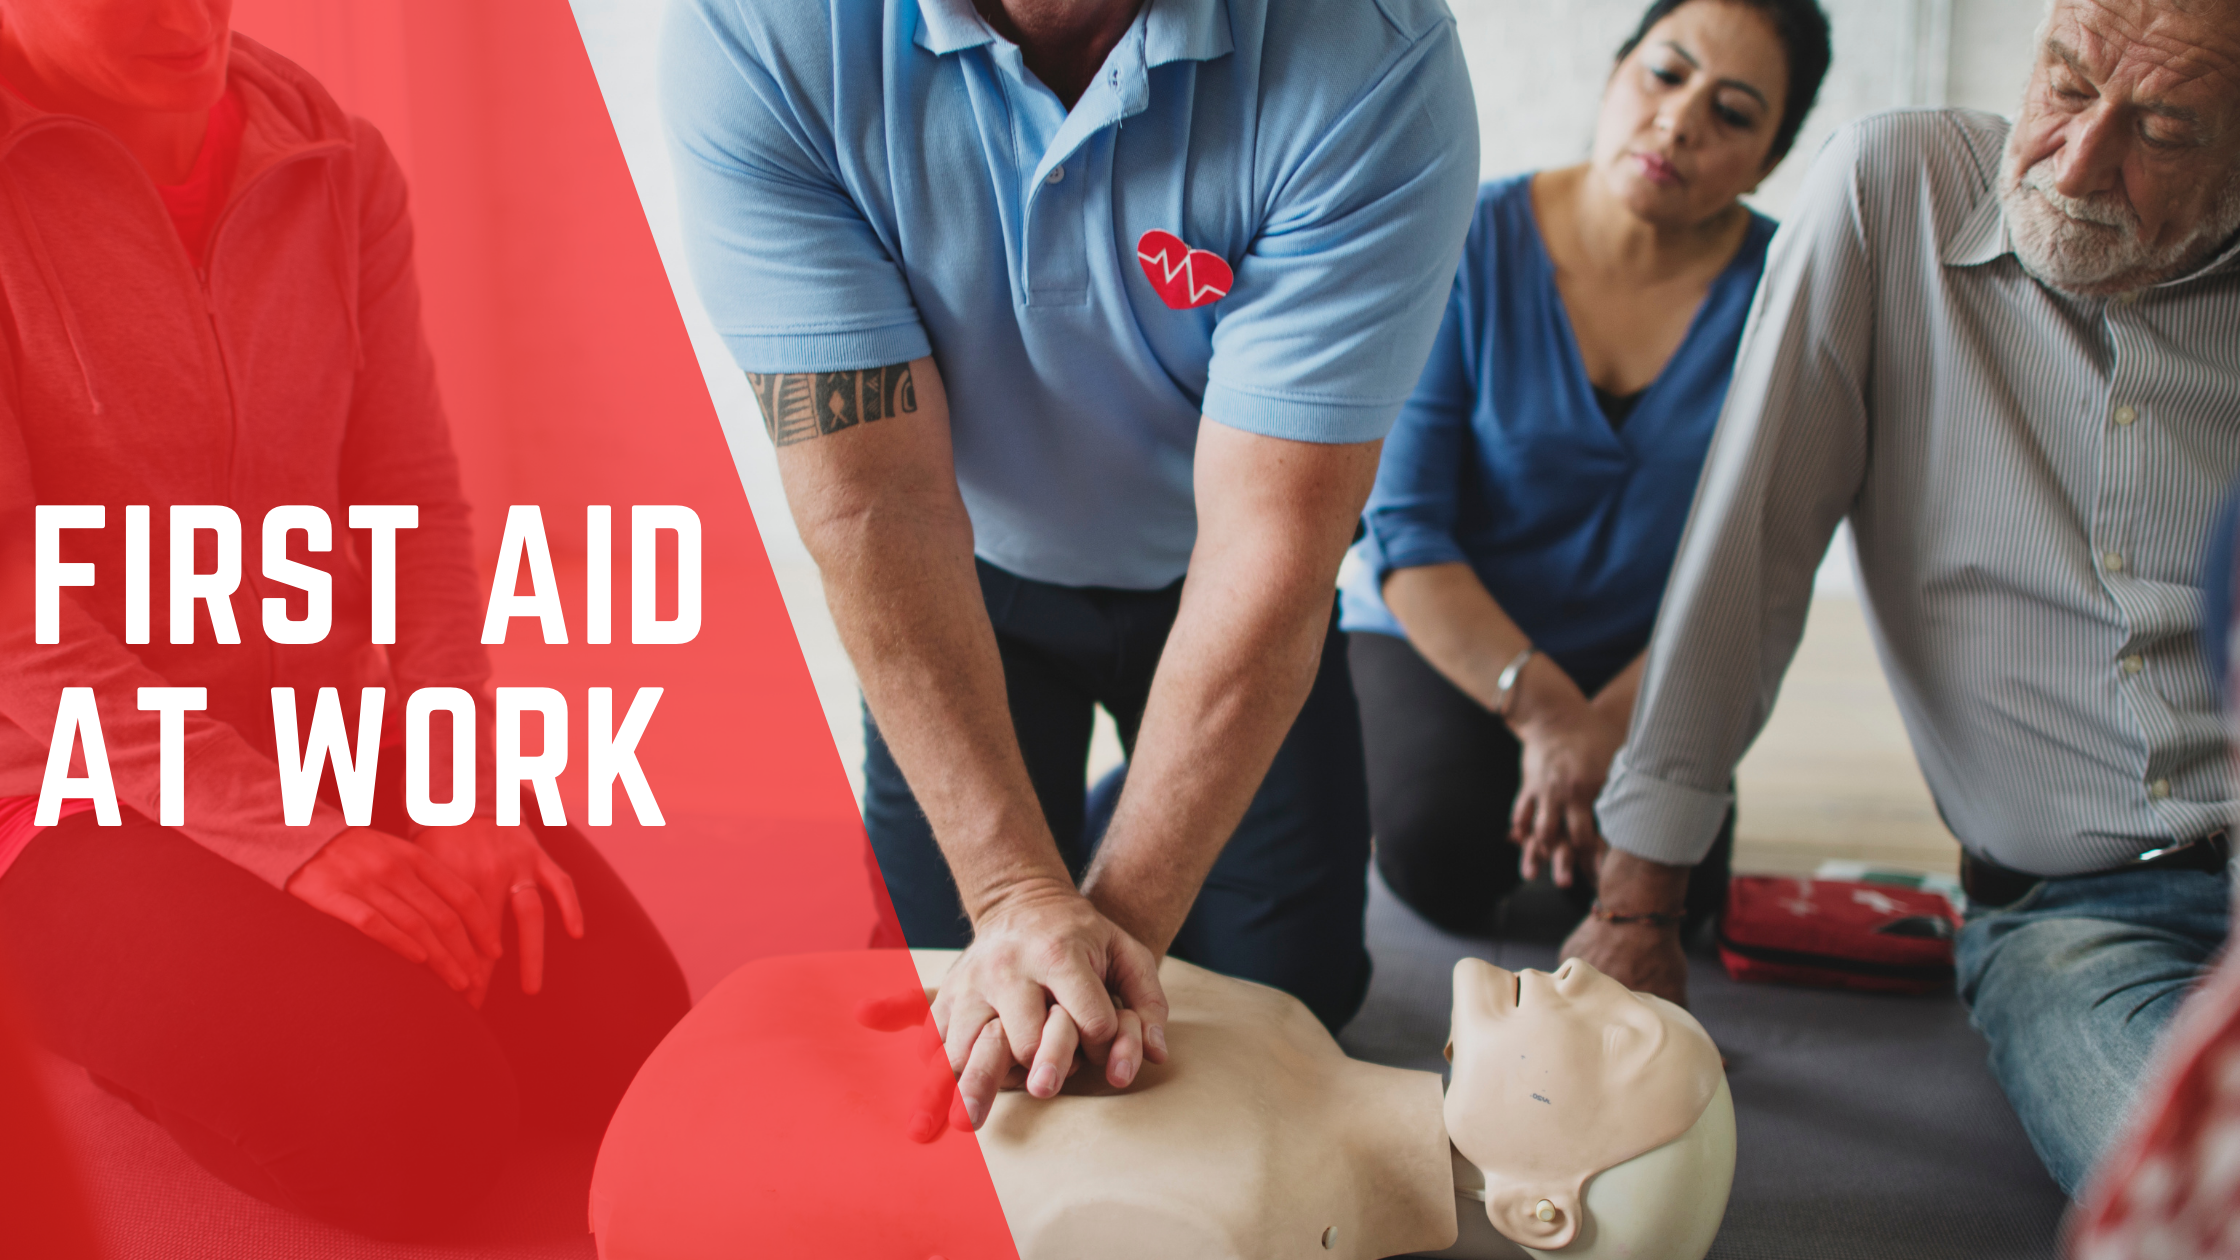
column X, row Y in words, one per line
column 1543, row 1217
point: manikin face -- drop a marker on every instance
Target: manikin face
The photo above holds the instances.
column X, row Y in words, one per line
column 2123, row 168
column 1558, row 1077
column 1688, row 117
column 161, row 56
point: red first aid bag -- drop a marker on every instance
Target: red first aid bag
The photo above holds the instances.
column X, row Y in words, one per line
column 1837, row 933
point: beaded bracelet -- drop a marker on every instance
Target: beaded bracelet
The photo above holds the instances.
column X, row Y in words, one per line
column 1654, row 918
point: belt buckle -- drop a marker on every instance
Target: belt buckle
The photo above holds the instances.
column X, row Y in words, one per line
column 2216, row 840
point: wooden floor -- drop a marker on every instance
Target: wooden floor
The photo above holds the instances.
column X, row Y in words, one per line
column 1832, row 777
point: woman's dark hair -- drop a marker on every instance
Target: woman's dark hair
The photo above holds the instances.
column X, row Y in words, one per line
column 1803, row 31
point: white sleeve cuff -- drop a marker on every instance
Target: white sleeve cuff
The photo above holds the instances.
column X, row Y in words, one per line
column 1657, row 820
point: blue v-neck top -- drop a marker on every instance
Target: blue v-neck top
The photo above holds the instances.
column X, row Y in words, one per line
column 1502, row 459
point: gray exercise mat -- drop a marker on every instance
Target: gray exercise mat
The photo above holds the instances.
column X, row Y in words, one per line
column 1869, row 1130
column 1868, row 1127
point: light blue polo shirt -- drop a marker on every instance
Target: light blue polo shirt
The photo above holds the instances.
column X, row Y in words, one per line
column 863, row 183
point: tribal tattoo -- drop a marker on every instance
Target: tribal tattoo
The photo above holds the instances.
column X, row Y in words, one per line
column 797, row 406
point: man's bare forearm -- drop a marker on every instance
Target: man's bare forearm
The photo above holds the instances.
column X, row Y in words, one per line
column 867, row 466
column 1274, row 519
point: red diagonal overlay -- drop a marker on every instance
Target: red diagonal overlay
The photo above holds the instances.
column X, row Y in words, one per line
column 39, row 1195
column 570, row 381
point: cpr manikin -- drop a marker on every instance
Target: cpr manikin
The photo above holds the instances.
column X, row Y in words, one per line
column 1258, row 1137
column 1585, row 1122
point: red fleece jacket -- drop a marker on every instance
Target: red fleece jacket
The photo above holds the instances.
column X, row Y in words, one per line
column 285, row 366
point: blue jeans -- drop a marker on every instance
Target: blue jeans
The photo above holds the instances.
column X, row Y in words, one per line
column 1284, row 902
column 2073, row 983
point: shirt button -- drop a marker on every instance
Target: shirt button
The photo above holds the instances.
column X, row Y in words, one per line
column 2134, row 663
column 1057, row 174
column 2112, row 562
column 2126, row 415
column 2159, row 789
column 2127, row 299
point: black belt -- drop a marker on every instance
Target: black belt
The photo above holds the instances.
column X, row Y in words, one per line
column 1989, row 884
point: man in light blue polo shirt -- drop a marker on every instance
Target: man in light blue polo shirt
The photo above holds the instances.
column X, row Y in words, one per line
column 1048, row 305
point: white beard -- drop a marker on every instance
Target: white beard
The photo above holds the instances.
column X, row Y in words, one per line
column 2092, row 246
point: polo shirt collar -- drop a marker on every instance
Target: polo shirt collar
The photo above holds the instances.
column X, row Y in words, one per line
column 947, row 26
column 1185, row 30
column 1173, row 30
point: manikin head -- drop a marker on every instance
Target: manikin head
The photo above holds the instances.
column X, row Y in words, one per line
column 2123, row 168
column 1566, row 1079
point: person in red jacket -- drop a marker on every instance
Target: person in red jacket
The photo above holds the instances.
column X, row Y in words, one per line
column 209, row 299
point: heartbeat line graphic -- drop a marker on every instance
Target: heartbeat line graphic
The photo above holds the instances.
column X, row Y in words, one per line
column 1171, row 266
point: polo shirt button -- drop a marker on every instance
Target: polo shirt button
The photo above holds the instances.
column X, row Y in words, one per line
column 1057, row 174
column 2159, row 789
column 2127, row 299
column 2112, row 562
column 2134, row 663
column 2126, row 416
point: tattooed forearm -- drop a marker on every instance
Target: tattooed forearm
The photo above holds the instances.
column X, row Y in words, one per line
column 797, row 406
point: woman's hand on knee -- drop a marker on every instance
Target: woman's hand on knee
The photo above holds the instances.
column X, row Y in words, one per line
column 506, row 869
column 400, row 895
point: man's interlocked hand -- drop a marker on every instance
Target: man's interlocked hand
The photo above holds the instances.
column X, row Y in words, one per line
column 1047, row 975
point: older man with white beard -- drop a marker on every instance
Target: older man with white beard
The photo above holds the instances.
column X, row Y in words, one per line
column 2011, row 358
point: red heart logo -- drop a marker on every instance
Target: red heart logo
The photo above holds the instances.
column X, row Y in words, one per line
column 1184, row 277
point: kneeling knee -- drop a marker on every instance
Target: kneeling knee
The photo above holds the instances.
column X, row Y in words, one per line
column 1458, row 907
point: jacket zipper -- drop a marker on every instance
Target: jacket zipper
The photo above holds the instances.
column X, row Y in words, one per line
column 210, row 297
column 218, row 345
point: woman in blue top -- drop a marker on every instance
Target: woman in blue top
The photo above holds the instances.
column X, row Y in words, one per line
column 1532, row 495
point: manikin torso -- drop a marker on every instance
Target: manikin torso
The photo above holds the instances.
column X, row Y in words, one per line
column 1584, row 1121
column 1257, row 1138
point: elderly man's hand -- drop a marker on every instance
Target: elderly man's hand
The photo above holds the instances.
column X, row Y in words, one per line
column 1644, row 957
column 1039, row 982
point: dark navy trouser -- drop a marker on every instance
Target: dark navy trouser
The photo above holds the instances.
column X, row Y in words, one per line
column 1283, row 905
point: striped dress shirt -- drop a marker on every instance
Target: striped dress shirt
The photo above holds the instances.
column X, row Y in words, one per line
column 2030, row 479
